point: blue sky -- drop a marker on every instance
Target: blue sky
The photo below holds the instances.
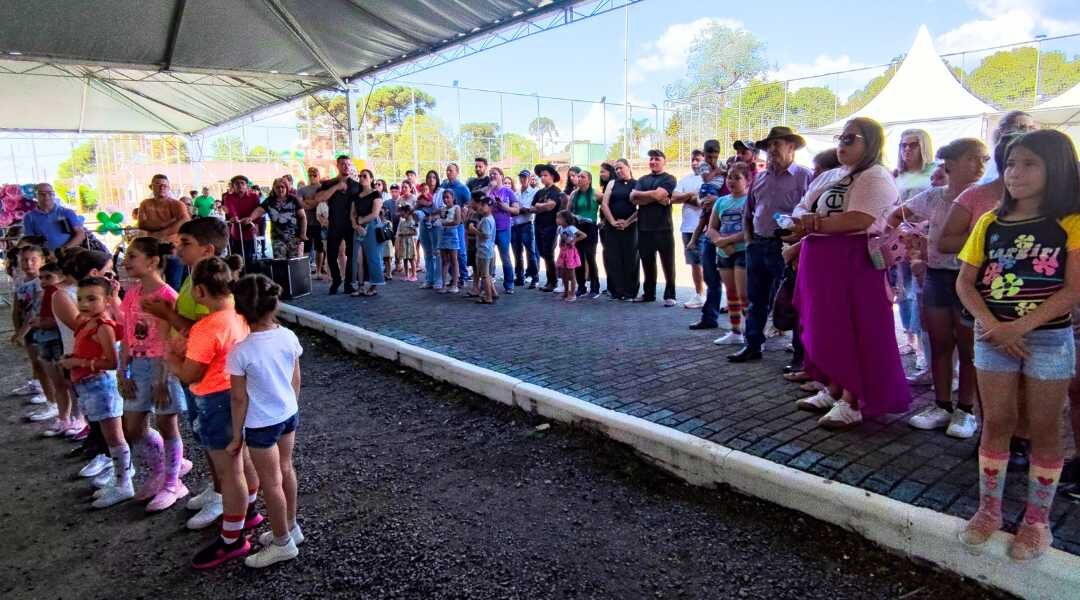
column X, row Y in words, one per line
column 584, row 60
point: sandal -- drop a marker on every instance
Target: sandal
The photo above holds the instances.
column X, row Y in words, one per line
column 368, row 293
column 482, row 301
column 798, row 377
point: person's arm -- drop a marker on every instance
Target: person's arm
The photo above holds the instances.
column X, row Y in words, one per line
column 255, row 215
column 1009, row 335
column 376, row 206
column 183, row 216
column 78, row 236
column 122, row 382
column 899, row 215
column 713, row 231
column 324, row 195
column 301, row 219
column 748, row 218
column 605, row 203
column 791, row 252
column 955, row 232
column 239, row 405
column 186, row 370
column 65, row 311
column 642, row 198
column 107, row 338
column 296, row 377
column 838, row 224
column 167, row 312
column 578, row 236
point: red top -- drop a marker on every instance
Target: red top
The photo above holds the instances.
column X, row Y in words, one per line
column 240, row 207
column 46, row 302
column 87, row 346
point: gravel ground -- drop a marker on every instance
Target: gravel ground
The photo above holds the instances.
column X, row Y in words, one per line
column 413, row 489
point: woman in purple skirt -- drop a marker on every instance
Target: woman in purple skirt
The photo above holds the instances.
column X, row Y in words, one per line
column 844, row 308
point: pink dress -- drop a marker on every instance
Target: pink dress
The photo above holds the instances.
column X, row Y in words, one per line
column 568, row 253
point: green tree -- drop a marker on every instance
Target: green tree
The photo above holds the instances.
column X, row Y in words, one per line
column 82, row 161
column 522, row 153
column 810, row 107
column 88, row 198
column 482, row 139
column 863, row 96
column 387, row 107
column 433, row 149
column 259, row 154
column 541, row 128
column 227, row 148
column 1006, row 79
column 720, row 57
column 640, row 133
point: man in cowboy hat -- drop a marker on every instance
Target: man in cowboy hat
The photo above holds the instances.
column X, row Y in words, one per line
column 548, row 201
column 776, row 190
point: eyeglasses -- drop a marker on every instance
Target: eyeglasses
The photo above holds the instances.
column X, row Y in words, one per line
column 365, row 176
column 909, row 145
column 847, row 139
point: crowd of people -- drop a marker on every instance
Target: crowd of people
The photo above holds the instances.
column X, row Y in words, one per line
column 978, row 266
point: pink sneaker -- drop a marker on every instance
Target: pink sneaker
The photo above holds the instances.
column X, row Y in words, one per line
column 185, row 467
column 81, row 434
column 57, row 428
column 150, row 487
column 75, row 427
column 167, row 497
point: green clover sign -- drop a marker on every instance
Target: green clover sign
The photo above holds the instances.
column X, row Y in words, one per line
column 110, row 223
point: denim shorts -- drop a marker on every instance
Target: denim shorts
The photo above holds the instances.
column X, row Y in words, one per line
column 1053, row 355
column 99, row 399
column 145, row 373
column 50, row 351
column 267, row 437
column 214, row 423
column 730, row 262
column 939, row 290
column 692, row 256
column 192, row 413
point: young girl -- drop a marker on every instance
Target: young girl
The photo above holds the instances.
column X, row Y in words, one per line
column 265, row 372
column 203, row 369
column 92, row 366
column 1020, row 277
column 569, row 260
column 406, row 241
column 149, row 387
column 50, row 349
column 448, row 243
column 726, row 234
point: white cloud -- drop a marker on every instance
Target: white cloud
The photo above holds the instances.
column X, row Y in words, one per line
column 822, row 64
column 1002, row 22
column 669, row 51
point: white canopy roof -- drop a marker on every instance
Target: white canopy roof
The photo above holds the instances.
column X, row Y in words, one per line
column 180, row 66
column 1061, row 110
column 923, row 89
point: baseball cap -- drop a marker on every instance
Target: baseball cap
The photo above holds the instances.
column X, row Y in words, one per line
column 745, row 145
column 656, row 153
column 524, row 173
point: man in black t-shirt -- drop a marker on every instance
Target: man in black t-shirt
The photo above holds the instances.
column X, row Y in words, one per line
column 655, row 232
column 547, row 202
column 339, row 194
column 482, row 180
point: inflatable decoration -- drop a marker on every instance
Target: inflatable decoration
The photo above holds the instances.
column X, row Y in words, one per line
column 28, row 191
column 110, row 223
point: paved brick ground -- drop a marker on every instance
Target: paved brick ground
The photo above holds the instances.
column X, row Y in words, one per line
column 643, row 361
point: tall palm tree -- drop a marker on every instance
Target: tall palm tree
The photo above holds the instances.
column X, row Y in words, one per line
column 542, row 127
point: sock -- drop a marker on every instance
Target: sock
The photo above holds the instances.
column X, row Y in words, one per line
column 174, row 455
column 283, row 540
column 252, row 495
column 121, row 459
column 735, row 315
column 1043, row 474
column 231, row 528
column 151, row 453
column 992, row 467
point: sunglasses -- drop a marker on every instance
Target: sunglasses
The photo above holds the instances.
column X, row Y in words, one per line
column 847, row 139
column 909, row 145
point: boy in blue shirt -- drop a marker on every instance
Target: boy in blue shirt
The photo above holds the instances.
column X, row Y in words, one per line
column 485, row 248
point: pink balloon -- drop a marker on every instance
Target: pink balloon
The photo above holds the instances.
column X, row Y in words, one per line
column 6, row 219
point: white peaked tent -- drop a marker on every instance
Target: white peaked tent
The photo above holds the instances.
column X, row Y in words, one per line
column 1061, row 112
column 923, row 94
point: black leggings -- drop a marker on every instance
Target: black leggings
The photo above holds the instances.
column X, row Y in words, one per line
column 651, row 243
column 587, row 250
column 333, row 243
column 621, row 261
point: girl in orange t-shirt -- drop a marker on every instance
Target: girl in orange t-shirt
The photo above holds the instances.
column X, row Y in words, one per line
column 203, row 370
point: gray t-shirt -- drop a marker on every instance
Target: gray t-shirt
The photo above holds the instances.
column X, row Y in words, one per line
column 485, row 239
column 306, row 192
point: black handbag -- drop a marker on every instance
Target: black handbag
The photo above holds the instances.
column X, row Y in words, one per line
column 785, row 317
column 384, row 232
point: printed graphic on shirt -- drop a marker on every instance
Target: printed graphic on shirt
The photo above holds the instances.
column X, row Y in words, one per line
column 832, row 200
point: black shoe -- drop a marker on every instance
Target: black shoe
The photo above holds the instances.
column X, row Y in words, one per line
column 532, row 285
column 334, row 287
column 723, row 310
column 703, row 325
column 349, row 289
column 745, row 355
column 1018, row 454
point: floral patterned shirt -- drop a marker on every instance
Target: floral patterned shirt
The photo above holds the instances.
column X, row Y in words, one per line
column 1021, row 263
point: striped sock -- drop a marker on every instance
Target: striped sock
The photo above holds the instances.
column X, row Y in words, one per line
column 231, row 528
column 252, row 496
column 992, row 466
column 735, row 315
column 1043, row 477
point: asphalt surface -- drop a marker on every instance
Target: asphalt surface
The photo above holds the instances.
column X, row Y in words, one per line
column 413, row 489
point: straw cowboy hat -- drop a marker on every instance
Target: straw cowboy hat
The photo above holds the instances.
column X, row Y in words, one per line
column 781, row 132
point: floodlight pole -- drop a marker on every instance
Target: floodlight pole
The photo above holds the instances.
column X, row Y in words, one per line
column 352, row 122
column 1038, row 64
column 626, row 81
column 415, row 152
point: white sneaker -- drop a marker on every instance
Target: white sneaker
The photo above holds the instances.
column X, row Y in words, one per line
column 773, row 332
column 56, row 428
column 820, row 401
column 115, row 494
column 454, row 290
column 199, row 500
column 732, row 338
column 840, row 416
column 96, row 465
column 297, row 536
column 272, row 554
column 207, row 514
column 697, row 301
column 932, row 417
column 920, row 362
column 37, row 399
column 48, row 412
column 669, row 302
column 31, row 387
column 559, row 289
column 108, row 477
column 962, row 425
column 923, row 377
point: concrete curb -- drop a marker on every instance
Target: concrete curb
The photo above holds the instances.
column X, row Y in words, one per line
column 903, row 528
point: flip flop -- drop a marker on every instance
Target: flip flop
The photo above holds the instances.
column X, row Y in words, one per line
column 798, row 377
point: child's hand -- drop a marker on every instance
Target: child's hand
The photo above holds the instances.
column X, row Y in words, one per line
column 71, row 363
column 161, row 394
column 156, row 306
column 235, row 446
column 18, row 340
column 126, row 387
column 1009, row 337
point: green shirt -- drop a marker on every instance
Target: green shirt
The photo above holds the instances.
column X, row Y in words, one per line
column 204, row 205
column 585, row 207
column 186, row 306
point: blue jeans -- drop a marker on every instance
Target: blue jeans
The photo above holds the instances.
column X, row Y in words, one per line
column 502, row 242
column 908, row 304
column 429, row 240
column 764, row 270
column 710, row 311
column 521, row 238
column 373, row 251
column 462, row 253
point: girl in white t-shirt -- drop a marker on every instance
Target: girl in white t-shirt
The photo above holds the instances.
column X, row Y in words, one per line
column 265, row 371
